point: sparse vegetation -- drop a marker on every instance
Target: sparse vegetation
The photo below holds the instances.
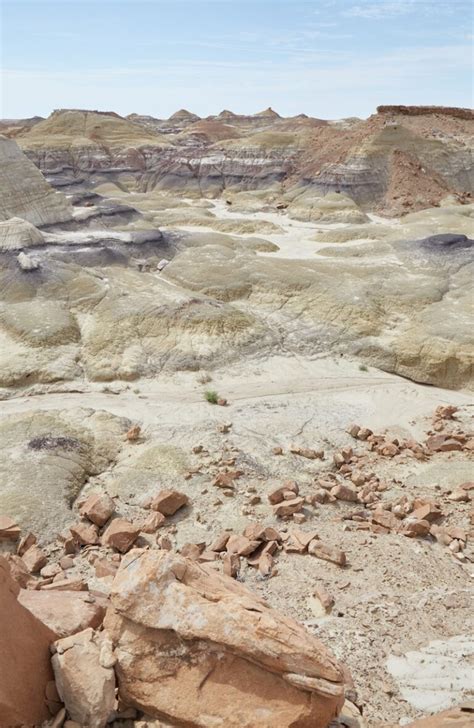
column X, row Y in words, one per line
column 211, row 396
column 363, row 368
column 204, row 378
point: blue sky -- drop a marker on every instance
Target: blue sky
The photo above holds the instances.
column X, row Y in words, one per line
column 326, row 58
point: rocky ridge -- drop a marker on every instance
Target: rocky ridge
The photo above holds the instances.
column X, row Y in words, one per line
column 264, row 151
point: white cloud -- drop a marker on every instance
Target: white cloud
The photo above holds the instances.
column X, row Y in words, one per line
column 382, row 9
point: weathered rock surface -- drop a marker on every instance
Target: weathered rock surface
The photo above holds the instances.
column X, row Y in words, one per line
column 181, row 633
column 65, row 613
column 25, row 193
column 16, row 234
column 24, row 658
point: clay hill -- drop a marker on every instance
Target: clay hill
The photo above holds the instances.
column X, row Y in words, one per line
column 398, row 160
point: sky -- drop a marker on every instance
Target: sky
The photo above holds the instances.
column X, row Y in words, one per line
column 326, row 58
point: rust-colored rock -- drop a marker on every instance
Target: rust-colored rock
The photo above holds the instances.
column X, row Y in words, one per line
column 64, row 612
column 288, row 507
column 328, row 553
column 84, row 533
column 98, row 508
column 34, row 559
column 461, row 717
column 184, row 636
column 24, row 658
column 168, row 502
column 278, row 495
column 120, row 534
column 9, row 530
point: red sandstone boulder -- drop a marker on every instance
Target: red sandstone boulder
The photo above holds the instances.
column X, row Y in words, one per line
column 191, row 643
column 24, row 658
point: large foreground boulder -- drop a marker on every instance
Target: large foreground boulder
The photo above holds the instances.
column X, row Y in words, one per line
column 25, row 668
column 199, row 648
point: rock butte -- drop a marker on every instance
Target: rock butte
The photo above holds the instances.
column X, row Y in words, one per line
column 226, row 496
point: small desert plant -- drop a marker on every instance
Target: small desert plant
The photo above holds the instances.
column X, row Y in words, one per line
column 204, row 378
column 363, row 368
column 211, row 396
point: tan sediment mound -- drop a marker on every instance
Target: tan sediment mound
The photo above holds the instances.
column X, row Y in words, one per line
column 369, row 231
column 16, row 234
column 24, row 658
column 211, row 131
column 77, row 128
column 195, row 633
column 25, row 193
column 332, row 208
column 183, row 114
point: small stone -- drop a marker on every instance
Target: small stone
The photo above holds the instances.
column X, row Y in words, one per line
column 386, row 519
column 28, row 540
column 299, row 518
column 134, row 433
column 9, row 530
column 358, row 478
column 231, row 565
column 328, row 553
column 65, row 562
column 278, row 495
column 459, row 496
column 98, row 508
column 412, row 528
column 85, row 533
column 344, row 492
column 364, row 433
column 34, row 559
column 241, row 545
column 153, row 522
column 428, row 512
column 120, row 534
column 277, row 450
column 220, row 542
column 326, row 599
column 50, row 570
column 288, row 507
column 168, row 502
column 265, row 564
column 353, row 430
column 224, row 427
column 222, row 402
column 226, row 479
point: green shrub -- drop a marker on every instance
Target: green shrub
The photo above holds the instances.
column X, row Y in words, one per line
column 211, row 396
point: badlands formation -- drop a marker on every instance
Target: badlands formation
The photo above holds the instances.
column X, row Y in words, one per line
column 236, row 477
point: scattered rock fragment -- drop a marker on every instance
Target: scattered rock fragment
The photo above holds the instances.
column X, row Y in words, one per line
column 167, row 502
column 98, row 508
column 133, row 433
column 328, row 553
column 34, row 559
column 9, row 530
column 120, row 534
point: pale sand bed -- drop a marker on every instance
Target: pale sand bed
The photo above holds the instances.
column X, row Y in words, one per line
column 336, row 386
